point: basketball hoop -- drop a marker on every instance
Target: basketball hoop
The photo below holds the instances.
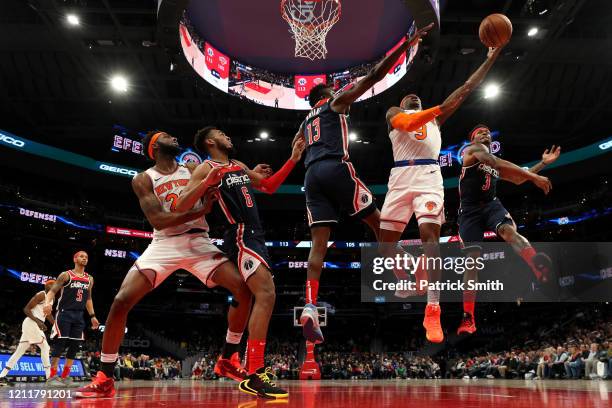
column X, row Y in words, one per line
column 310, row 21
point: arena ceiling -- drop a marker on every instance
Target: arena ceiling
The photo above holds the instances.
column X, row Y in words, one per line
column 556, row 86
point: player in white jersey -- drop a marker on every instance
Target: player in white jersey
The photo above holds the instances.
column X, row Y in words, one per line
column 180, row 241
column 415, row 183
column 32, row 333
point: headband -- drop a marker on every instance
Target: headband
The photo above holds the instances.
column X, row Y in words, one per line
column 473, row 133
column 151, row 143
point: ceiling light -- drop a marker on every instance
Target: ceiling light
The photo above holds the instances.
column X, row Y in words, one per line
column 119, row 83
column 491, row 91
column 532, row 31
column 73, row 20
column 352, row 136
column 263, row 135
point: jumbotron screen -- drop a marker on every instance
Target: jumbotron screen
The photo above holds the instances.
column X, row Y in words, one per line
column 278, row 90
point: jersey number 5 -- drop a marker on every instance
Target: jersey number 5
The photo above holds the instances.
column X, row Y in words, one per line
column 247, row 197
column 314, row 131
column 79, row 296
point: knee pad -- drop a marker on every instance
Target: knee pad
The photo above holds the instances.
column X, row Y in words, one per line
column 73, row 348
column 58, row 347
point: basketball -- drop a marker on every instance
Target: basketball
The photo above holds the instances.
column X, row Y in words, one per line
column 495, row 30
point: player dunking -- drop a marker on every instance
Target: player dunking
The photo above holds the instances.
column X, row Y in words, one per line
column 480, row 210
column 415, row 182
column 244, row 240
column 180, row 241
column 331, row 183
column 32, row 333
column 75, row 287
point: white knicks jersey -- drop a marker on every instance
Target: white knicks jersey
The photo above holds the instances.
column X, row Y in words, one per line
column 37, row 311
column 167, row 188
column 424, row 143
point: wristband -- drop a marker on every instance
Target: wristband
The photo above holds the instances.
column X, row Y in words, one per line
column 91, row 316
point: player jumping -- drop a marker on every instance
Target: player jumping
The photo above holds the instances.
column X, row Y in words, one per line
column 480, row 210
column 331, row 182
column 180, row 241
column 415, row 183
column 75, row 287
column 244, row 240
column 32, row 333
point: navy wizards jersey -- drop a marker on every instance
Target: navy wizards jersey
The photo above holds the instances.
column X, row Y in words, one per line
column 326, row 134
column 75, row 292
column 477, row 183
column 237, row 200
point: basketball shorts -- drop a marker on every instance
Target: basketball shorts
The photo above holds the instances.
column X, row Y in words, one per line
column 31, row 333
column 332, row 187
column 193, row 252
column 69, row 324
column 475, row 219
column 412, row 190
column 245, row 245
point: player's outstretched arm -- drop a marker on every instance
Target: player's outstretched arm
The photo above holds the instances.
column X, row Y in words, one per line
column 152, row 209
column 409, row 122
column 89, row 305
column 454, row 100
column 57, row 286
column 36, row 299
column 344, row 100
column 507, row 170
column 548, row 157
column 270, row 184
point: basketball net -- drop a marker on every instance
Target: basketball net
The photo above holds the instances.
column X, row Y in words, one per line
column 309, row 22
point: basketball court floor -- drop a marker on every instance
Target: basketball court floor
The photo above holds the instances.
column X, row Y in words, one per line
column 342, row 394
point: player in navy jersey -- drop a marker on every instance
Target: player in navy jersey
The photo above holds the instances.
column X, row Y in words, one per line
column 331, row 184
column 75, row 288
column 480, row 210
column 244, row 240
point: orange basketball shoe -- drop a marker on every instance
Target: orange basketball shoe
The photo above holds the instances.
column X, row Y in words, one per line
column 230, row 368
column 431, row 323
column 100, row 387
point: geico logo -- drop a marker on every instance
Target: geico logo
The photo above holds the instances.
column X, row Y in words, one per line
column 136, row 343
column 231, row 180
column 606, row 145
column 11, row 140
column 119, row 170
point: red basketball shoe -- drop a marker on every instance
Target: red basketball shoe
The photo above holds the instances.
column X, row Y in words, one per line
column 230, row 368
column 431, row 323
column 468, row 326
column 100, row 387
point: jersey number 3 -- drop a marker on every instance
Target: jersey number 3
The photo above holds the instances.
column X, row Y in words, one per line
column 314, row 131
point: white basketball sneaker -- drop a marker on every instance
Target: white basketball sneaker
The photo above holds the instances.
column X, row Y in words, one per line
column 310, row 324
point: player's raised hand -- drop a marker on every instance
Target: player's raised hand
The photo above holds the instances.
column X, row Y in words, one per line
column 543, row 183
column 263, row 169
column 493, row 52
column 416, row 37
column 298, row 148
column 551, row 155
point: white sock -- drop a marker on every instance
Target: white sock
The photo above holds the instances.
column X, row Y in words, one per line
column 433, row 297
column 233, row 337
column 20, row 351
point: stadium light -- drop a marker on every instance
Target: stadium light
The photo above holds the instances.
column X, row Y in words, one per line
column 352, row 136
column 491, row 91
column 263, row 135
column 73, row 19
column 119, row 83
column 532, row 31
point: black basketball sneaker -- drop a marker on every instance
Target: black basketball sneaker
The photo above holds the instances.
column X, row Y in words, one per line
column 261, row 385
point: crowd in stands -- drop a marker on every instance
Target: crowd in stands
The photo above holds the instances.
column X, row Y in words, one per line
column 138, row 367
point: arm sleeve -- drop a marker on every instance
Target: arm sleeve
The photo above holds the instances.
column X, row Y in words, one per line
column 410, row 122
column 271, row 184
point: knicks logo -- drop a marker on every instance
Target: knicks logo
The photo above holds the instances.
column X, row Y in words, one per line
column 430, row 205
